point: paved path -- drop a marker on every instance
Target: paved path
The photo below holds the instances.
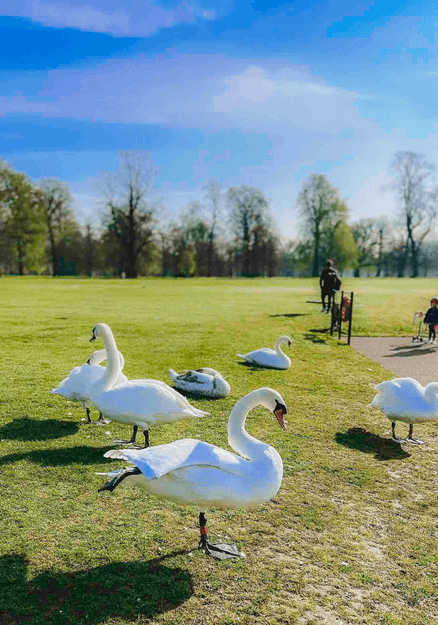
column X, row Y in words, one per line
column 401, row 355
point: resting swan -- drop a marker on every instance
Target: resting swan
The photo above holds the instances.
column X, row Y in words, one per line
column 267, row 357
column 206, row 382
column 405, row 399
column 194, row 473
column 141, row 403
column 77, row 385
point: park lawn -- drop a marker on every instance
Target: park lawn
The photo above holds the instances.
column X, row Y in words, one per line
column 351, row 536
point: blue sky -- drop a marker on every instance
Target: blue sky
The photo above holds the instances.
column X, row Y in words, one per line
column 251, row 93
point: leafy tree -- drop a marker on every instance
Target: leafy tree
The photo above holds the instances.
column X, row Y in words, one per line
column 23, row 225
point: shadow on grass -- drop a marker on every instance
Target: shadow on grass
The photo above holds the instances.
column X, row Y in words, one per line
column 119, row 590
column 59, row 456
column 311, row 335
column 382, row 448
column 26, row 429
column 291, row 315
column 253, row 367
column 408, row 351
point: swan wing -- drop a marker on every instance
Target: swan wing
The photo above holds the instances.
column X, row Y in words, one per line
column 145, row 401
column 154, row 462
column 77, row 385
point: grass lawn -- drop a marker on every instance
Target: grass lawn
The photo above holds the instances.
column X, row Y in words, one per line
column 351, row 536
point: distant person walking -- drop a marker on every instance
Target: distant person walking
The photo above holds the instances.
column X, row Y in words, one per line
column 329, row 282
column 431, row 319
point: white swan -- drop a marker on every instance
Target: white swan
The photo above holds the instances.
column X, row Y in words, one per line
column 141, row 403
column 267, row 357
column 206, row 382
column 191, row 472
column 77, row 385
column 405, row 399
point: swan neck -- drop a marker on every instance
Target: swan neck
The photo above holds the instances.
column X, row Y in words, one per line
column 113, row 369
column 277, row 346
column 238, row 438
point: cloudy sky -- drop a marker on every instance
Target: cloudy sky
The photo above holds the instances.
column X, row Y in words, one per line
column 256, row 93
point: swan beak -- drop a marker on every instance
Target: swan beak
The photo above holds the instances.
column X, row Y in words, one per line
column 93, row 338
column 279, row 412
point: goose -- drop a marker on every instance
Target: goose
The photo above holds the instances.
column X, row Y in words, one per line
column 206, row 382
column 271, row 358
column 77, row 385
column 405, row 399
column 194, row 473
column 141, row 403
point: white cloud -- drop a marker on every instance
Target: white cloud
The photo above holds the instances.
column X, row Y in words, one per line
column 135, row 19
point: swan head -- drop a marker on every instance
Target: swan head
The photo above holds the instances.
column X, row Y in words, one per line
column 285, row 339
column 99, row 330
column 272, row 400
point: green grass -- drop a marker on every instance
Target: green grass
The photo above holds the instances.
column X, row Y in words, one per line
column 351, row 535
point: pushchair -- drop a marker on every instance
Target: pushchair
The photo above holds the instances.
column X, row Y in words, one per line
column 420, row 316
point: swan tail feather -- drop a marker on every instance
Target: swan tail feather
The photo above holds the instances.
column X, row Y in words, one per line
column 173, row 374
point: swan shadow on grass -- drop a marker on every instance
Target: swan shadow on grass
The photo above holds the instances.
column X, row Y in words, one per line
column 119, row 590
column 252, row 366
column 26, row 429
column 369, row 443
column 290, row 315
column 60, row 456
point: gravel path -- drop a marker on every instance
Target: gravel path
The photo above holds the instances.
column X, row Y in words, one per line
column 401, row 355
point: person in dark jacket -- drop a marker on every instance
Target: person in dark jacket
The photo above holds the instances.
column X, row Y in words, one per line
column 329, row 282
column 431, row 319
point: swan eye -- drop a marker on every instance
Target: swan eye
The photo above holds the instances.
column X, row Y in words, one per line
column 279, row 406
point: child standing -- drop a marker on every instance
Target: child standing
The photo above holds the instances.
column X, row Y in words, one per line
column 431, row 319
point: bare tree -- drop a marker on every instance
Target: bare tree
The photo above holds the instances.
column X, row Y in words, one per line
column 318, row 204
column 59, row 217
column 214, row 196
column 131, row 214
column 419, row 202
column 383, row 226
column 365, row 233
column 249, row 209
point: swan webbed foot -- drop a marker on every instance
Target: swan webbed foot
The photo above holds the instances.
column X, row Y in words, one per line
column 129, row 444
column 411, row 439
column 101, row 420
column 88, row 415
column 395, row 438
column 220, row 551
column 414, row 441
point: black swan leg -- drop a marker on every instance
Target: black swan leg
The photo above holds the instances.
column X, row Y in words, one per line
column 220, row 551
column 411, row 439
column 131, row 442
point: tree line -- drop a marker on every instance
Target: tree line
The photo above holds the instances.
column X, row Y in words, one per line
column 231, row 233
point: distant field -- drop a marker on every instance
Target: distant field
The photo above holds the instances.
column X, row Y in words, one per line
column 351, row 537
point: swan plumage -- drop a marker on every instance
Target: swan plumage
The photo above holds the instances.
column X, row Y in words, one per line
column 271, row 358
column 206, row 382
column 77, row 385
column 141, row 403
column 405, row 399
column 192, row 472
